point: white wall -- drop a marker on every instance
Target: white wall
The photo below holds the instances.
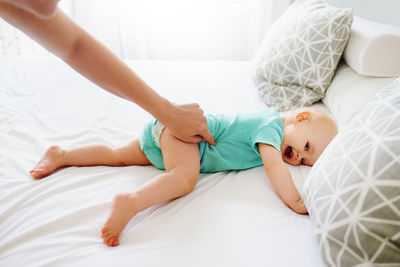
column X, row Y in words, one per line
column 178, row 29
column 383, row 11
column 182, row 29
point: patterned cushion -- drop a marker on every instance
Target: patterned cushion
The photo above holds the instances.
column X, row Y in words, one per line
column 298, row 57
column 353, row 190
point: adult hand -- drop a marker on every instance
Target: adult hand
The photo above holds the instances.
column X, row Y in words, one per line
column 187, row 123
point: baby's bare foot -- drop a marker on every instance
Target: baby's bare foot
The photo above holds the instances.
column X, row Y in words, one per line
column 50, row 161
column 123, row 209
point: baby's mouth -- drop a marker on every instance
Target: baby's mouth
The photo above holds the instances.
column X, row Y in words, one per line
column 288, row 152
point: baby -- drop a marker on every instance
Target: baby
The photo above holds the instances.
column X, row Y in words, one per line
column 244, row 141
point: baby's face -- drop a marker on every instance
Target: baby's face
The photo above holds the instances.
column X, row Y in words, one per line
column 304, row 142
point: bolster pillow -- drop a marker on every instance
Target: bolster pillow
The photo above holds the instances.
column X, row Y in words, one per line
column 373, row 48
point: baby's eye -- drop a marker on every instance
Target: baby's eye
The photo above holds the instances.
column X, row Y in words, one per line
column 307, row 147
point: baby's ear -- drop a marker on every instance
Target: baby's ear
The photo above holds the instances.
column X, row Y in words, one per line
column 303, row 116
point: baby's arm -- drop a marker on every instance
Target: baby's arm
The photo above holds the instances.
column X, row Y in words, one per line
column 280, row 178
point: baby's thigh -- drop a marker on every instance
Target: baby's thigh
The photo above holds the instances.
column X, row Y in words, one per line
column 131, row 154
column 179, row 156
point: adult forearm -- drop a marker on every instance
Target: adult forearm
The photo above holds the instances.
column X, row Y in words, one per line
column 97, row 63
column 55, row 34
column 65, row 39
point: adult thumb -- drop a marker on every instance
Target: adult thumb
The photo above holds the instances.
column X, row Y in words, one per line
column 207, row 136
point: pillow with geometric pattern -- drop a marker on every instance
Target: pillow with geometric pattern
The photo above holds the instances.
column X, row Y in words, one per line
column 353, row 190
column 299, row 54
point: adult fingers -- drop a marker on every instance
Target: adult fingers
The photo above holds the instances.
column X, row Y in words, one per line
column 191, row 106
column 194, row 139
column 207, row 136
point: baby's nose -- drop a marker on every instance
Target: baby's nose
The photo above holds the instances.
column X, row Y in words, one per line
column 298, row 154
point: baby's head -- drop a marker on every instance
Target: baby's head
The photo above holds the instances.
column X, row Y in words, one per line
column 306, row 133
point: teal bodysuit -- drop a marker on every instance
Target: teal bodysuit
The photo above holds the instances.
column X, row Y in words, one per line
column 236, row 136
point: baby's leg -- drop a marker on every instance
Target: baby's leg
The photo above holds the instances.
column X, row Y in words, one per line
column 56, row 157
column 182, row 164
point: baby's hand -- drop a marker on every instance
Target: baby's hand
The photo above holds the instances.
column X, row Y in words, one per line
column 299, row 207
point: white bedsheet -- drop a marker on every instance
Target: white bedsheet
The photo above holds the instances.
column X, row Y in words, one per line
column 230, row 219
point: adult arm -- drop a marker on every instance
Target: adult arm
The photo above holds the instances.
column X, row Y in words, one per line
column 280, row 178
column 41, row 8
column 64, row 38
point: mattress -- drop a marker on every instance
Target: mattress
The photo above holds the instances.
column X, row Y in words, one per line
column 230, row 219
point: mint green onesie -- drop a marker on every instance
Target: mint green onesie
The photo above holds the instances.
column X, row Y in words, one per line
column 236, row 137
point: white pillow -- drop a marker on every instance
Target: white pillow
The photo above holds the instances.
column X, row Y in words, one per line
column 373, row 48
column 349, row 92
column 298, row 57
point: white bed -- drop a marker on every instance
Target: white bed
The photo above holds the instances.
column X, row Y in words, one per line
column 230, row 219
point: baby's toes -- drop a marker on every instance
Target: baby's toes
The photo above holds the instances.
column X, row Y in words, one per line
column 106, row 237
column 105, row 229
column 110, row 241
column 36, row 173
column 115, row 242
column 109, row 238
